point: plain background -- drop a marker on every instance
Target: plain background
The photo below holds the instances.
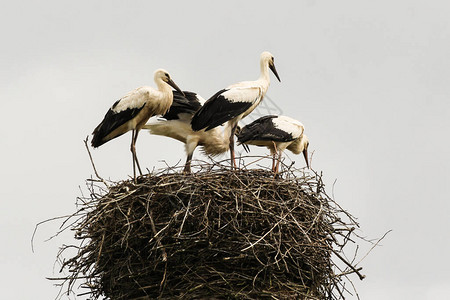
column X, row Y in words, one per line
column 369, row 79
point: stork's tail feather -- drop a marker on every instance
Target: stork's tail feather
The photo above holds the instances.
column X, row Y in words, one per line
column 97, row 140
column 98, row 136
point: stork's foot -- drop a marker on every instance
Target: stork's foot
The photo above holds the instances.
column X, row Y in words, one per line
column 187, row 169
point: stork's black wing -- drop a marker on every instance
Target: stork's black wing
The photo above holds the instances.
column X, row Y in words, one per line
column 219, row 109
column 264, row 129
column 188, row 104
column 112, row 121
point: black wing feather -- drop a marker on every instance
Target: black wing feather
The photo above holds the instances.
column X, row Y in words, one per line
column 188, row 104
column 112, row 121
column 216, row 111
column 263, row 129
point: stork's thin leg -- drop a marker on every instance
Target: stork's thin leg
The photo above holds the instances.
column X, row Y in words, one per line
column 233, row 162
column 134, row 134
column 233, row 159
column 278, row 163
column 273, row 157
column 187, row 166
column 135, row 155
column 273, row 162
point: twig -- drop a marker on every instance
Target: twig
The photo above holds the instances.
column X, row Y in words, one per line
column 158, row 239
column 40, row 223
column 92, row 162
column 361, row 277
column 376, row 244
column 261, row 238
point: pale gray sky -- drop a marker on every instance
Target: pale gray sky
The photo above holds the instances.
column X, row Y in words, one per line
column 369, row 79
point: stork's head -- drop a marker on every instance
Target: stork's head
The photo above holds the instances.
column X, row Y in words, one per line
column 163, row 75
column 236, row 133
column 300, row 145
column 267, row 58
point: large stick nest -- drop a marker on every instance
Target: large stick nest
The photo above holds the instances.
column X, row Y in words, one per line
column 216, row 233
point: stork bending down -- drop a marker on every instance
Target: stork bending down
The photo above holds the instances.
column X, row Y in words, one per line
column 276, row 133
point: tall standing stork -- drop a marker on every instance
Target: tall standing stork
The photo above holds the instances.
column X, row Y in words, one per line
column 276, row 133
column 235, row 102
column 176, row 124
column 133, row 110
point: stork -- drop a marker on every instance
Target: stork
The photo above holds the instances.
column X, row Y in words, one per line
column 176, row 124
column 133, row 110
column 235, row 102
column 276, row 133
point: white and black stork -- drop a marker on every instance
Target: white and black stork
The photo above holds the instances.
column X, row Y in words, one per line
column 276, row 133
column 235, row 102
column 176, row 124
column 133, row 110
